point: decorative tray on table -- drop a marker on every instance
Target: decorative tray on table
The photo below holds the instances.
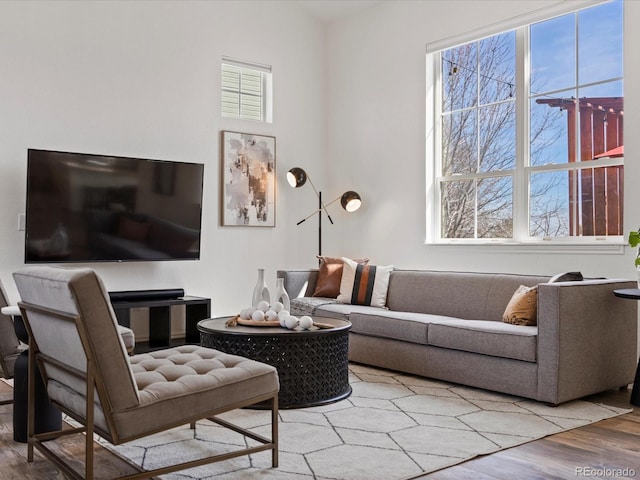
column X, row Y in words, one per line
column 236, row 320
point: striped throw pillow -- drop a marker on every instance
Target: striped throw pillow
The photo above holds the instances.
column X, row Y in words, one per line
column 364, row 284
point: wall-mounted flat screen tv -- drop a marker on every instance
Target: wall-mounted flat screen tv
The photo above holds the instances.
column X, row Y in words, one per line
column 99, row 208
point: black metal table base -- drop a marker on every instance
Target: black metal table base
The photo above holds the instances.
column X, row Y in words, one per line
column 632, row 294
column 635, row 392
column 313, row 368
column 47, row 417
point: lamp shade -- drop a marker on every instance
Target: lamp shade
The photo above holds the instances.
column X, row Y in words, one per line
column 296, row 177
column 350, row 201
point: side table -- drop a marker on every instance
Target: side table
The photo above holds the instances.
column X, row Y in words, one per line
column 632, row 294
column 47, row 417
column 160, row 314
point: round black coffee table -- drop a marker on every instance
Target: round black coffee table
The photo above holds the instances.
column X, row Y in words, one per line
column 313, row 365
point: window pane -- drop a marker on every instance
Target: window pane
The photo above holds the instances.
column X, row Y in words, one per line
column 497, row 137
column 459, row 77
column 553, row 54
column 497, row 68
column 495, row 207
column 460, row 143
column 599, row 43
column 601, row 119
column 458, row 209
column 550, row 122
column 584, row 202
column 599, row 201
column 549, row 204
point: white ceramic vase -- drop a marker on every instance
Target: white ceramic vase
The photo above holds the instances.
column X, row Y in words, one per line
column 261, row 291
column 281, row 294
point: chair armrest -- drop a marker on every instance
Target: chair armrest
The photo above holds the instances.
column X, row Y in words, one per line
column 587, row 338
column 11, row 310
column 299, row 283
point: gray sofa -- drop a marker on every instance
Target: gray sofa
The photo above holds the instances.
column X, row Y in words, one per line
column 448, row 326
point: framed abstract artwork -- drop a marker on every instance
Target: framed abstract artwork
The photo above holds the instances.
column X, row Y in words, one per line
column 248, row 176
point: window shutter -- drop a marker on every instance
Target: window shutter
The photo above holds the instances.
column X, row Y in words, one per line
column 243, row 90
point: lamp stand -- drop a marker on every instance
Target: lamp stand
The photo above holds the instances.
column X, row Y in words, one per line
column 319, row 225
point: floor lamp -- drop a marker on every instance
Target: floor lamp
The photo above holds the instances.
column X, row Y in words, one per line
column 349, row 200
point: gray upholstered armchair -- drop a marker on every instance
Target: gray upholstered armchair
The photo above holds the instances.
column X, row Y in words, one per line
column 10, row 346
column 89, row 376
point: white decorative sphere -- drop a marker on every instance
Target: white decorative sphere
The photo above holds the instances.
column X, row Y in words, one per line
column 277, row 306
column 245, row 313
column 306, row 322
column 257, row 315
column 263, row 305
column 291, row 322
column 282, row 317
column 270, row 315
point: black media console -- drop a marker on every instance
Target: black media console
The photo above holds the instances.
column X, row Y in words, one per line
column 159, row 303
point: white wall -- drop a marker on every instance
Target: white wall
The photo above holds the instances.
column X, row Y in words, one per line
column 143, row 79
column 376, row 128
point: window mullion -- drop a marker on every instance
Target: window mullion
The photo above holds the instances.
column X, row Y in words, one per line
column 434, row 144
column 521, row 174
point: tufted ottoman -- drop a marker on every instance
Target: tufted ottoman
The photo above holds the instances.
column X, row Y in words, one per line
column 186, row 370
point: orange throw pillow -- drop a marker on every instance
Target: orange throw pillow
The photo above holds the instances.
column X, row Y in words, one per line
column 330, row 276
column 522, row 309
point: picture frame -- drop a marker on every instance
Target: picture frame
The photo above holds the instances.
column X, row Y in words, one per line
column 248, row 177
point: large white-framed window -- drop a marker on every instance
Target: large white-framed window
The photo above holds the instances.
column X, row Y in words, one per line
column 527, row 131
column 246, row 90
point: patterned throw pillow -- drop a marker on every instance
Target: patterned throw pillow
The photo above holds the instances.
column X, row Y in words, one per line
column 330, row 276
column 522, row 309
column 364, row 284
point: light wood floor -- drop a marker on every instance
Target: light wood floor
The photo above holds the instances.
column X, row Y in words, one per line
column 13, row 455
column 612, row 443
column 609, row 444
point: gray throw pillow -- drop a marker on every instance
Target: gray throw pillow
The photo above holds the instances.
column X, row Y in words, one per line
column 566, row 277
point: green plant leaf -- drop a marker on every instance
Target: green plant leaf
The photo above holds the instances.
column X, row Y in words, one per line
column 634, row 239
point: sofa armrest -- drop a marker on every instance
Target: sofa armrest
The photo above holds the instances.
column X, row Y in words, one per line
column 587, row 338
column 299, row 283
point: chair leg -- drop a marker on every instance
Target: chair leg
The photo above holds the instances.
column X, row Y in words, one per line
column 274, row 430
column 88, row 454
column 31, row 401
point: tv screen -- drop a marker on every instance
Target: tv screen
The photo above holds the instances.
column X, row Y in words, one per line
column 97, row 208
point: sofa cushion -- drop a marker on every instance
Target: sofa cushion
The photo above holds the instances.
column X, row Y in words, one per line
column 486, row 337
column 364, row 284
column 478, row 296
column 343, row 311
column 522, row 309
column 330, row 276
column 404, row 326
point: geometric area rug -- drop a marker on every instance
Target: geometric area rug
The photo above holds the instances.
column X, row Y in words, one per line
column 393, row 426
